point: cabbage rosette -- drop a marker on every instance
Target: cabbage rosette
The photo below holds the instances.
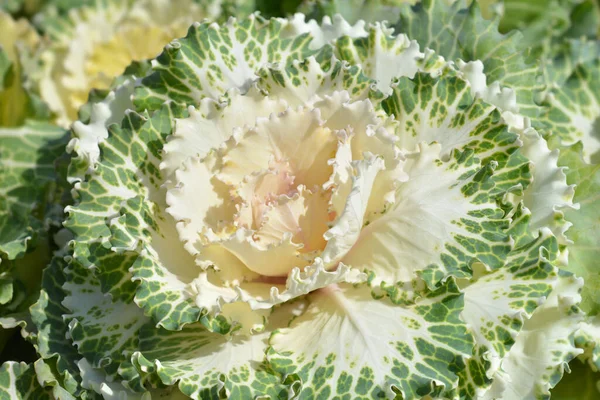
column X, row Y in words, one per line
column 287, row 209
column 92, row 42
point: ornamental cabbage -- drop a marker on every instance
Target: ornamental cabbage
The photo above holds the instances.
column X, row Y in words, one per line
column 94, row 42
column 328, row 225
column 285, row 208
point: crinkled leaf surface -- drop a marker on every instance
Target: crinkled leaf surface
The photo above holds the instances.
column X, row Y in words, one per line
column 365, row 346
column 457, row 31
column 571, row 109
column 584, row 252
column 19, row 381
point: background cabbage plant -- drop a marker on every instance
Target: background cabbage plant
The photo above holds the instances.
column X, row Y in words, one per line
column 389, row 200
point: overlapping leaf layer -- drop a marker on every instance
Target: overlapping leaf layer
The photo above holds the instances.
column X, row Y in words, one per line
column 286, row 208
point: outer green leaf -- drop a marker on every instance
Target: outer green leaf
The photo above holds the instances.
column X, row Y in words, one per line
column 28, row 179
column 69, row 341
column 47, row 314
column 385, row 57
column 347, row 343
column 105, row 332
column 28, row 182
column 498, row 304
column 206, row 365
column 352, row 11
column 303, row 82
column 138, row 228
column 537, row 360
column 549, row 196
column 444, row 110
column 48, row 378
column 185, row 73
column 132, row 72
column 572, row 107
column 459, row 32
column 87, row 136
column 585, row 232
column 15, row 233
column 31, row 201
column 31, row 190
column 18, row 381
column 99, row 382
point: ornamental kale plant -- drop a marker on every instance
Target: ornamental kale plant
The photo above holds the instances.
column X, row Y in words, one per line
column 293, row 208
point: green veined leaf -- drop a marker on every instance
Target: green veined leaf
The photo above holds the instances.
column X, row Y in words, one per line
column 353, row 11
column 51, row 339
column 585, row 232
column 545, row 346
column 19, row 381
column 185, row 73
column 572, row 106
column 32, row 196
column 499, row 304
column 349, row 343
column 233, row 367
column 459, row 32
